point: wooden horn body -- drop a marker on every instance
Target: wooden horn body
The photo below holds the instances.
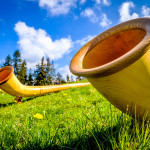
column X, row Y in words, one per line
column 117, row 63
column 10, row 84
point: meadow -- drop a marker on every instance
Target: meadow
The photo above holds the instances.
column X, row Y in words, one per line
column 73, row 119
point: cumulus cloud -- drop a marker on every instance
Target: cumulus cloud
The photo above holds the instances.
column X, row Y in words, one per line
column 37, row 43
column 57, row 7
column 2, row 61
column 84, row 40
column 145, row 11
column 82, row 1
column 104, row 2
column 97, row 1
column 125, row 10
column 65, row 71
column 89, row 13
column 105, row 22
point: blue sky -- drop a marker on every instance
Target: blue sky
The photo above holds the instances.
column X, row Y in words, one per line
column 59, row 28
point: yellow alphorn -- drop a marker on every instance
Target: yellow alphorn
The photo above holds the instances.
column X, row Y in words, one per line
column 117, row 63
column 10, row 84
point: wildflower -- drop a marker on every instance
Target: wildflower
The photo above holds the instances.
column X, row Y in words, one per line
column 19, row 125
column 38, row 116
column 65, row 94
column 69, row 99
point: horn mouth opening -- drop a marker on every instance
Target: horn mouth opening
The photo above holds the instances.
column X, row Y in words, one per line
column 5, row 74
column 113, row 50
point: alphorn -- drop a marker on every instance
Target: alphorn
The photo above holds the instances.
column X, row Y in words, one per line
column 11, row 85
column 117, row 64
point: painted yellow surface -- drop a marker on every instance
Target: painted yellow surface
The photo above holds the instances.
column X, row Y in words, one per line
column 117, row 63
column 129, row 87
column 13, row 86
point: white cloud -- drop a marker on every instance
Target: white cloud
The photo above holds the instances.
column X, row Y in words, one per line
column 104, row 2
column 2, row 61
column 82, row 1
column 105, row 22
column 97, row 1
column 37, row 43
column 125, row 10
column 145, row 11
column 89, row 13
column 84, row 40
column 64, row 71
column 57, row 7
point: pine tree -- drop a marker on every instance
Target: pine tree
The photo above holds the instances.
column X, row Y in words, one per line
column 52, row 71
column 23, row 72
column 68, row 79
column 8, row 61
column 40, row 73
column 36, row 72
column 17, row 62
column 48, row 71
column 30, row 78
column 63, row 81
column 59, row 77
column 78, row 78
column 72, row 78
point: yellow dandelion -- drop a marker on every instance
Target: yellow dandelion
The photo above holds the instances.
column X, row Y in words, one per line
column 69, row 99
column 65, row 94
column 38, row 116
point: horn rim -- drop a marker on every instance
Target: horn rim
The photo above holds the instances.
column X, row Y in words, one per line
column 120, row 63
column 9, row 75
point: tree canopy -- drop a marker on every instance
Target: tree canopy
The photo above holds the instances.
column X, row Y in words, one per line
column 43, row 74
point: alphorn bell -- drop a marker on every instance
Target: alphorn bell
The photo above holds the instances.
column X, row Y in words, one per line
column 117, row 64
column 10, row 84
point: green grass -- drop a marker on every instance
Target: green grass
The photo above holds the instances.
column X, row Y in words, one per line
column 74, row 119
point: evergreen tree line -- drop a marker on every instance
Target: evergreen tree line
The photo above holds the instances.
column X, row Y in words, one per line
column 44, row 73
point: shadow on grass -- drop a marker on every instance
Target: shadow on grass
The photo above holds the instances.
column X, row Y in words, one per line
column 24, row 100
column 6, row 105
column 94, row 140
column 12, row 103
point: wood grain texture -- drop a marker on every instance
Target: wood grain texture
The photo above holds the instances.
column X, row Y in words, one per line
column 112, row 48
column 10, row 84
column 78, row 64
column 117, row 63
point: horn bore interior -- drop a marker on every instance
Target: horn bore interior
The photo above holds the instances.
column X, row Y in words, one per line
column 4, row 74
column 112, row 48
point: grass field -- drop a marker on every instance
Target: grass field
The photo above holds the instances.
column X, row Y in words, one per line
column 74, row 119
